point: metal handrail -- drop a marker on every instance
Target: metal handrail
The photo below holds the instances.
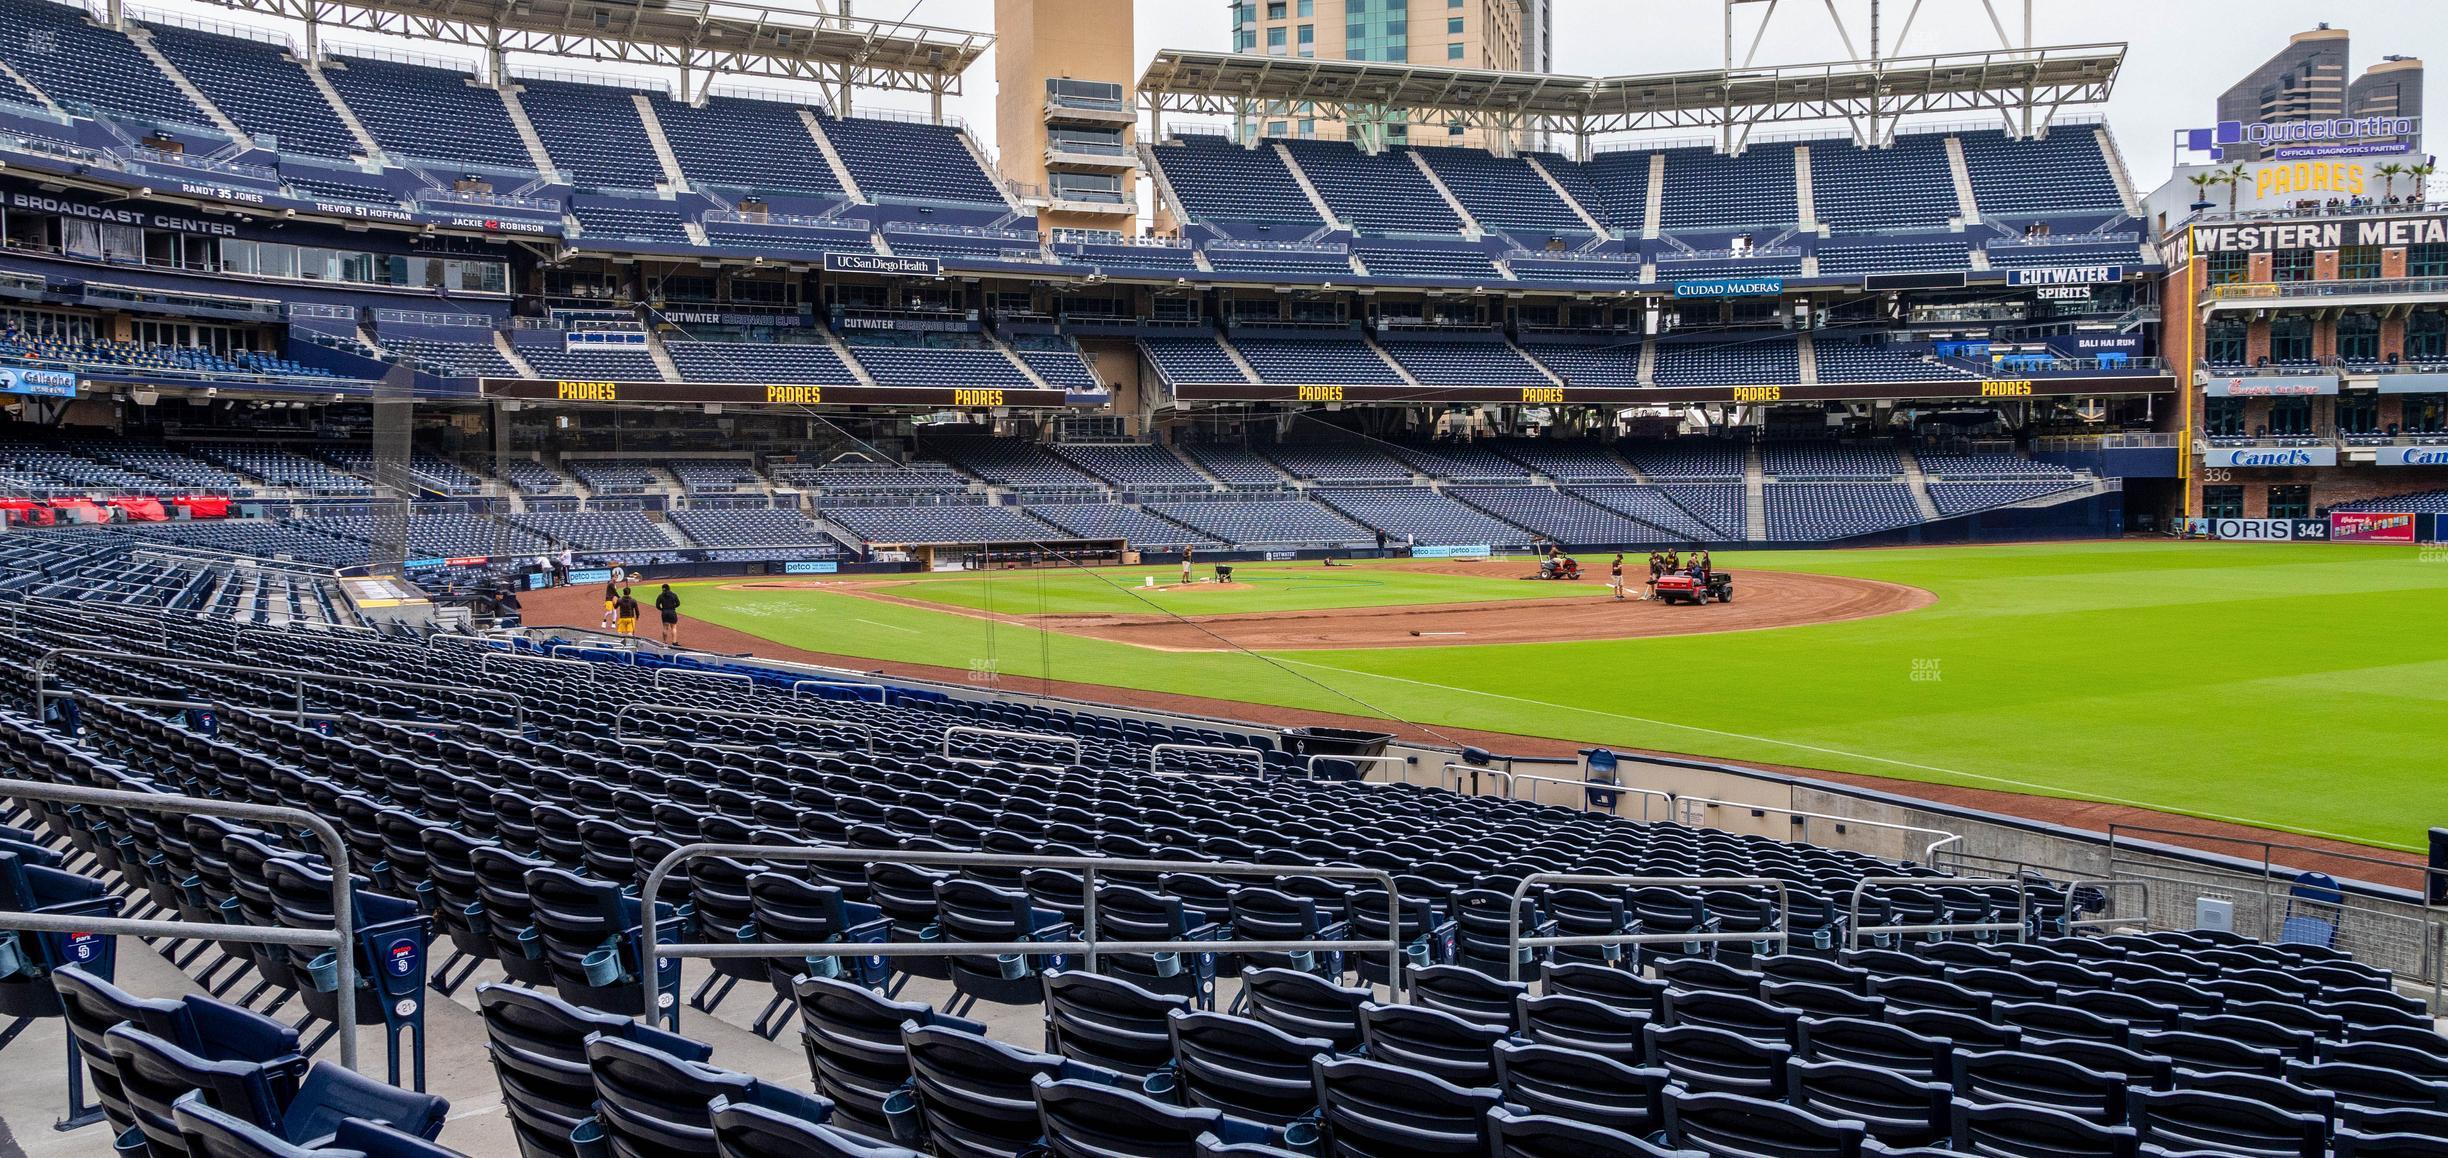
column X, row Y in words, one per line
column 620, row 719
column 883, row 693
column 1515, row 942
column 2110, row 886
column 340, row 938
column 1078, row 746
column 1219, row 749
column 1453, row 770
column 1929, row 853
column 302, row 678
column 484, row 663
column 1587, row 787
column 650, row 950
column 275, row 713
column 700, row 673
column 1311, row 767
column 2021, row 926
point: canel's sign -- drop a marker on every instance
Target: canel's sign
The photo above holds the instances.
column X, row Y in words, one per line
column 2269, row 457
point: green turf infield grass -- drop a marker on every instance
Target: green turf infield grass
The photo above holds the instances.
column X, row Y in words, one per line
column 1256, row 587
column 2301, row 687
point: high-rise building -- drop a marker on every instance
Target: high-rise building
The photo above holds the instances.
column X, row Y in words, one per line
column 2391, row 88
column 2307, row 81
column 1064, row 116
column 1497, row 35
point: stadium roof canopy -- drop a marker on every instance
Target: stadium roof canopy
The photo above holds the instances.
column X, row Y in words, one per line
column 800, row 42
column 1869, row 94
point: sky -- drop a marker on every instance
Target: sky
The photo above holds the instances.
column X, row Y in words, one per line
column 2180, row 52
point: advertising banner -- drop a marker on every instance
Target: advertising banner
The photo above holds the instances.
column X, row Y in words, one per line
column 2281, row 457
column 1730, row 287
column 2260, row 530
column 590, row 575
column 2410, row 456
column 42, row 383
column 2272, row 386
column 2066, row 275
column 878, row 263
column 2411, row 383
column 2381, row 232
column 827, row 567
column 2371, row 527
column 1478, row 552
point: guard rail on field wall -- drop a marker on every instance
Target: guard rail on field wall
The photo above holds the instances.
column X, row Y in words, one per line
column 1515, row 942
column 1689, row 807
column 1090, row 943
column 340, row 939
column 2409, row 937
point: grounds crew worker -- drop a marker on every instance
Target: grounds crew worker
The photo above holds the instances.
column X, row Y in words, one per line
column 669, row 604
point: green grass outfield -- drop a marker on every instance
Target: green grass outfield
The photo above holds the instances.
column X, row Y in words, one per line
column 2294, row 686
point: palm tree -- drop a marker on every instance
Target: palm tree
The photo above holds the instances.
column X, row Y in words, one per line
column 2234, row 180
column 2421, row 173
column 2388, row 174
column 2201, row 188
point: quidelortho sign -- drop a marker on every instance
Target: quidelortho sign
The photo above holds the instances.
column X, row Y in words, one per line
column 2369, row 134
column 2270, row 236
column 2266, row 457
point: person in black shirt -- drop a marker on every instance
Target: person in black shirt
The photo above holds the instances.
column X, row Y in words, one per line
column 624, row 612
column 669, row 604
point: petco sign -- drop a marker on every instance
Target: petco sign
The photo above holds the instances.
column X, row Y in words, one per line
column 2284, row 457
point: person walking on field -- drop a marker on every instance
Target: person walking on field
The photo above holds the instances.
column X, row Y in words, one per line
column 669, row 604
column 611, row 602
column 625, row 611
column 1615, row 577
column 1186, row 558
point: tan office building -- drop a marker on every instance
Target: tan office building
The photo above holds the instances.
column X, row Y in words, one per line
column 1501, row 35
column 1063, row 110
